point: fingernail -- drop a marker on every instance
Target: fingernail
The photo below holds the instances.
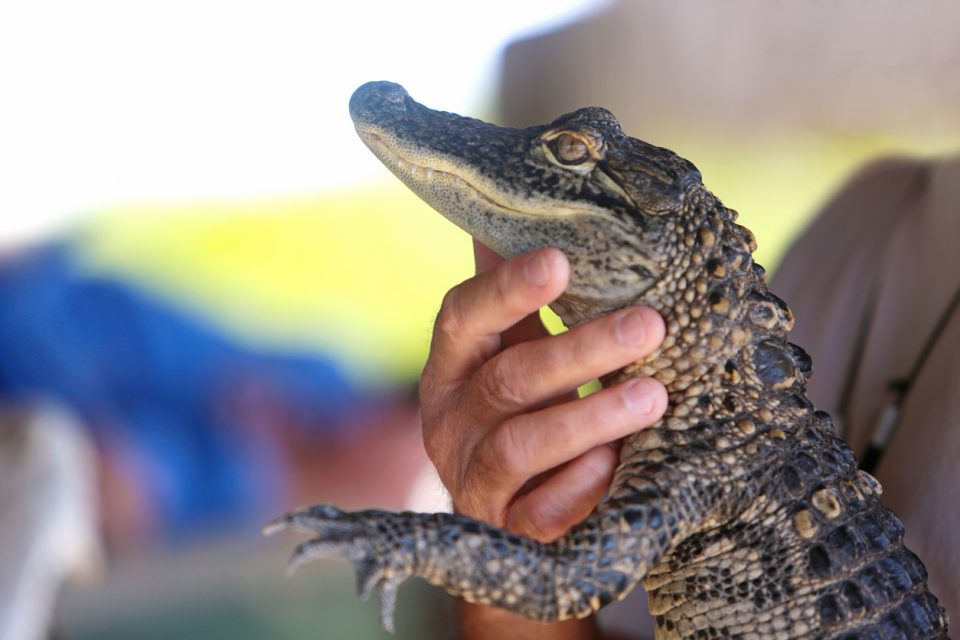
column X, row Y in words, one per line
column 638, row 397
column 631, row 330
column 536, row 270
column 616, row 445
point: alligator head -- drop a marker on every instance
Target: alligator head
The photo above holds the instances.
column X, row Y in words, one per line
column 608, row 201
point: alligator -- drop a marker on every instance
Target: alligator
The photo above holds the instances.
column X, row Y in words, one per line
column 741, row 511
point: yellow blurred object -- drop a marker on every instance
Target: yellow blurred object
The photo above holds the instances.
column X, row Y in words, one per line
column 356, row 274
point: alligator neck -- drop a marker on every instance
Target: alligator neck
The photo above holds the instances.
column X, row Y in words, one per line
column 725, row 344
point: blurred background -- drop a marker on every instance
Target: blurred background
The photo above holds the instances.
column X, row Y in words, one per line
column 215, row 303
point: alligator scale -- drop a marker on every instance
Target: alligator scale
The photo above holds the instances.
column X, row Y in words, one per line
column 741, row 512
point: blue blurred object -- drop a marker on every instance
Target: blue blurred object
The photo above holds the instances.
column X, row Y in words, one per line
column 200, row 414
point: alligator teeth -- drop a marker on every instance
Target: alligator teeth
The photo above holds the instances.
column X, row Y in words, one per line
column 405, row 166
column 417, row 170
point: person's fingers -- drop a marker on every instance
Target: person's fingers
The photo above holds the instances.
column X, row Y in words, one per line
column 530, row 443
column 565, row 498
column 530, row 327
column 477, row 395
column 530, row 373
column 475, row 312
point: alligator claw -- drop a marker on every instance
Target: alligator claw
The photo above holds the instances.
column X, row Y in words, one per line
column 304, row 519
column 308, row 552
column 340, row 535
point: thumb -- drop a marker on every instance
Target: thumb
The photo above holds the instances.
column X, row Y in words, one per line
column 531, row 327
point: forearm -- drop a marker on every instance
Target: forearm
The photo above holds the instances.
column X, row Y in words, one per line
column 478, row 622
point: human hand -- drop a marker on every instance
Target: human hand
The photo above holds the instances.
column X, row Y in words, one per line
column 501, row 420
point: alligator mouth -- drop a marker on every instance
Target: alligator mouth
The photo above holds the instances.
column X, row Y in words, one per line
column 379, row 145
column 391, row 157
column 423, row 174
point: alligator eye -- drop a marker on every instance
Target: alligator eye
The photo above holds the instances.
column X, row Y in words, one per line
column 571, row 149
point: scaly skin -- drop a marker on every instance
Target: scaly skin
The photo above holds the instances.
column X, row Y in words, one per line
column 741, row 511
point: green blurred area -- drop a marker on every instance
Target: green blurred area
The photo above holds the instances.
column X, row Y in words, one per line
column 236, row 590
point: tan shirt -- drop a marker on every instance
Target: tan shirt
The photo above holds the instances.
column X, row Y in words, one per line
column 868, row 282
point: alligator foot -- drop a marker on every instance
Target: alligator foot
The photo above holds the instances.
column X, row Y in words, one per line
column 343, row 535
column 569, row 578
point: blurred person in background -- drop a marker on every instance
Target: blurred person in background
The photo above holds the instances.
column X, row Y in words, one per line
column 874, row 282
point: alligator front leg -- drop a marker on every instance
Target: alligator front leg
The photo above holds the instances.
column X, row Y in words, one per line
column 597, row 562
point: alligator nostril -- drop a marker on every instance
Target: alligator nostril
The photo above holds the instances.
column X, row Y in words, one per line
column 377, row 95
column 395, row 94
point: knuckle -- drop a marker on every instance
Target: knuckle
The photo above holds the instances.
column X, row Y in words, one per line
column 434, row 444
column 436, row 449
column 450, row 318
column 501, row 383
column 439, row 401
column 508, row 452
column 442, row 450
column 430, row 390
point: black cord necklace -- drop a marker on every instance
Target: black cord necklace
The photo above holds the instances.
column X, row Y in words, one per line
column 899, row 388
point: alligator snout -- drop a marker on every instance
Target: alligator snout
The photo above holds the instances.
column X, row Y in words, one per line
column 376, row 98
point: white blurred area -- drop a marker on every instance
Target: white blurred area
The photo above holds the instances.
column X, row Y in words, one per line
column 110, row 101
column 48, row 515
